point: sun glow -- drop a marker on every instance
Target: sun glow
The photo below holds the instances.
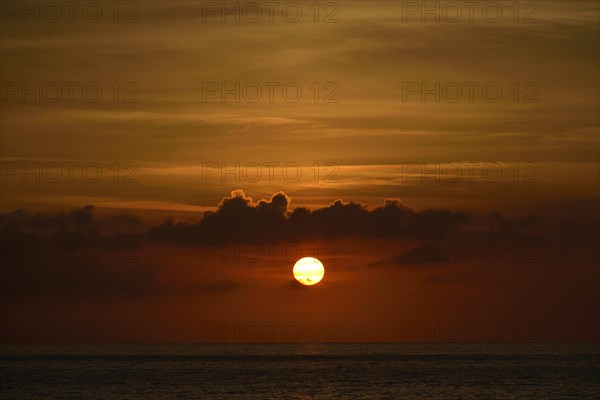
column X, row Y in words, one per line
column 309, row 271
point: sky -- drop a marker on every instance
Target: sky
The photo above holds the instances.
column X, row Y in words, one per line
column 164, row 164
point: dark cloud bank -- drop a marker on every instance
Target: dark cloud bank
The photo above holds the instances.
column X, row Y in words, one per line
column 83, row 254
column 240, row 219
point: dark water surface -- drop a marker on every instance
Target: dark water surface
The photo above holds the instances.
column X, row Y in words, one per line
column 311, row 371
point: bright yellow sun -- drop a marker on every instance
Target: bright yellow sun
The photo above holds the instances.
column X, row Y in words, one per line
column 308, row 271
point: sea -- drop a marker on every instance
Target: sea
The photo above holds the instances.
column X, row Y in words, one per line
column 302, row 371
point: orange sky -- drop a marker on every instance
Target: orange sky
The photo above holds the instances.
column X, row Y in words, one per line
column 172, row 136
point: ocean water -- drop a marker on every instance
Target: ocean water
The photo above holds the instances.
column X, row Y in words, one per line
column 298, row 371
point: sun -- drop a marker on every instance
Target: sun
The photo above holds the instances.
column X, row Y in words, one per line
column 309, row 271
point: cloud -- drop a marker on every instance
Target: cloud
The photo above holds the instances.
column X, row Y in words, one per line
column 423, row 253
column 83, row 254
column 82, row 221
column 79, row 254
column 294, row 284
column 240, row 219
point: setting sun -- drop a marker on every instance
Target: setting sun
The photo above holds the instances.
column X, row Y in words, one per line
column 164, row 163
column 309, row 271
